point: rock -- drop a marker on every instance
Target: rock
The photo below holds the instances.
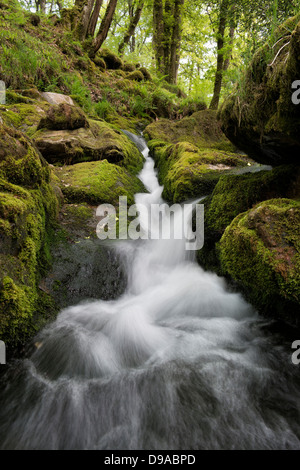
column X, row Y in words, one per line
column 136, row 75
column 97, row 182
column 188, row 172
column 24, row 116
column 260, row 250
column 191, row 155
column 201, row 129
column 63, row 117
column 83, row 268
column 28, row 208
column 235, row 194
column 260, row 117
column 111, row 60
column 97, row 142
column 57, row 98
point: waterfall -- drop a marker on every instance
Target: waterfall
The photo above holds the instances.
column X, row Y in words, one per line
column 177, row 362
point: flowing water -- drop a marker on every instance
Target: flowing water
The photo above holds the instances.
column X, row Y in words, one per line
column 177, row 362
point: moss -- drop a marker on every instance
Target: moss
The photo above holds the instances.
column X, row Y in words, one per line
column 136, row 76
column 16, row 311
column 146, row 73
column 111, row 60
column 28, row 208
column 100, row 141
column 24, row 117
column 63, row 117
column 260, row 249
column 187, row 171
column 201, row 129
column 98, row 182
column 127, row 67
column 235, row 194
column 260, row 117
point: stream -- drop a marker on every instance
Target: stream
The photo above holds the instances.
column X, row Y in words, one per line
column 178, row 362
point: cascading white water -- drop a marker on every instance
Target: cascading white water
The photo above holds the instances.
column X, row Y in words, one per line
column 178, row 362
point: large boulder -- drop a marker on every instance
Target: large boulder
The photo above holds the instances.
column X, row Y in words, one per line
column 63, row 117
column 191, row 155
column 201, row 129
column 98, row 141
column 260, row 116
column 28, row 208
column 187, row 171
column 97, row 182
column 235, row 194
column 260, row 250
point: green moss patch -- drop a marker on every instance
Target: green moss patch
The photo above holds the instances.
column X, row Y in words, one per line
column 261, row 250
column 28, row 210
column 187, row 171
column 97, row 183
column 201, row 129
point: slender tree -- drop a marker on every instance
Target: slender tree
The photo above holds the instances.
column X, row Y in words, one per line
column 134, row 19
column 220, row 54
column 104, row 26
column 94, row 18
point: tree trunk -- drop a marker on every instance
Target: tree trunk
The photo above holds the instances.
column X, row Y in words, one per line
column 83, row 23
column 105, row 25
column 168, row 28
column 134, row 19
column 94, row 18
column 175, row 42
column 41, row 6
column 158, row 32
column 220, row 55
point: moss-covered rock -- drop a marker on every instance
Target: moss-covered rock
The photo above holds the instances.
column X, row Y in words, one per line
column 20, row 162
column 24, row 116
column 201, row 129
column 260, row 116
column 97, row 183
column 260, row 250
column 146, row 73
column 63, row 117
column 127, row 67
column 83, row 267
column 235, row 194
column 100, row 62
column 97, row 142
column 191, row 155
column 28, row 208
column 111, row 60
column 187, row 171
column 136, row 75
